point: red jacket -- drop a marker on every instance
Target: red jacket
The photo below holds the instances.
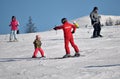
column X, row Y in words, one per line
column 68, row 28
column 14, row 25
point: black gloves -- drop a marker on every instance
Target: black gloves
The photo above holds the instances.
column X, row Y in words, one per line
column 73, row 32
column 54, row 28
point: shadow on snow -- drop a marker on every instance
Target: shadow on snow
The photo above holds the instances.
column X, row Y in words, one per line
column 13, row 59
column 30, row 58
column 102, row 66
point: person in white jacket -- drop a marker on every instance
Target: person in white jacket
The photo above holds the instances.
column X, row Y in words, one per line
column 95, row 21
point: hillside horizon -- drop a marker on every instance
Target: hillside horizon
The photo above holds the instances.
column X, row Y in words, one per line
column 85, row 20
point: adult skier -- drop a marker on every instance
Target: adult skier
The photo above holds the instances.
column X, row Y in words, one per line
column 95, row 21
column 14, row 27
column 68, row 30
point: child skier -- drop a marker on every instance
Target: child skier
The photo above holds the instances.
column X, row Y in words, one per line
column 68, row 37
column 37, row 44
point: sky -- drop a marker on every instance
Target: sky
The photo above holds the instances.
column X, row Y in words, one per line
column 48, row 13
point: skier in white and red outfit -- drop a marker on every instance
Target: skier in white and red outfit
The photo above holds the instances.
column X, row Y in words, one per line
column 14, row 27
column 68, row 30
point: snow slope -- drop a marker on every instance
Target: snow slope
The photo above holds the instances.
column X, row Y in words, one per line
column 100, row 57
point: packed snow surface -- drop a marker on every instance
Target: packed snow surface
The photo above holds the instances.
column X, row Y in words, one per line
column 100, row 57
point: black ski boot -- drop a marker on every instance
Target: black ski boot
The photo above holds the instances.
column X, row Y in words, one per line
column 100, row 36
column 67, row 56
column 34, row 57
column 77, row 55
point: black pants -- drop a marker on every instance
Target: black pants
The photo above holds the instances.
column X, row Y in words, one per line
column 97, row 29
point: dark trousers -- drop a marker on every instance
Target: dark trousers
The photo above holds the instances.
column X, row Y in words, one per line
column 97, row 29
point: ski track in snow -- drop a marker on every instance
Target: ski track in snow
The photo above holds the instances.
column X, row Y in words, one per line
column 100, row 56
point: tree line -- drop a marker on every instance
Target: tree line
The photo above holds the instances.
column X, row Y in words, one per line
column 110, row 22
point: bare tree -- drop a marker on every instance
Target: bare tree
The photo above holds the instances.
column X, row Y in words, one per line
column 30, row 26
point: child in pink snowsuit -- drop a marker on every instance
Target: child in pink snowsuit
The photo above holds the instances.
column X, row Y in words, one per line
column 37, row 44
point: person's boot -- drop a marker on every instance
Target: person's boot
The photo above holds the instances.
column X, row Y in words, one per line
column 100, row 36
column 34, row 57
column 67, row 56
column 77, row 54
column 43, row 57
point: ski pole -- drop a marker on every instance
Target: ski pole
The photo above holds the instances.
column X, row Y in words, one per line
column 56, row 32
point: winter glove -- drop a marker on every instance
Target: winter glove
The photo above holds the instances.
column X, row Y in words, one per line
column 73, row 32
column 54, row 28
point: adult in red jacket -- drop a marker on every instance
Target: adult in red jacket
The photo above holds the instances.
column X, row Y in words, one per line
column 68, row 29
column 14, row 27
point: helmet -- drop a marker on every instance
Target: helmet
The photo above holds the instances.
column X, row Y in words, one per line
column 63, row 20
column 95, row 8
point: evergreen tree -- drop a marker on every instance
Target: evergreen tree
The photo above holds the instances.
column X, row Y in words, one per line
column 109, row 22
column 117, row 22
column 30, row 26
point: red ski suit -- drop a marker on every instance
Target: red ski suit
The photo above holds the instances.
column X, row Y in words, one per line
column 68, row 37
